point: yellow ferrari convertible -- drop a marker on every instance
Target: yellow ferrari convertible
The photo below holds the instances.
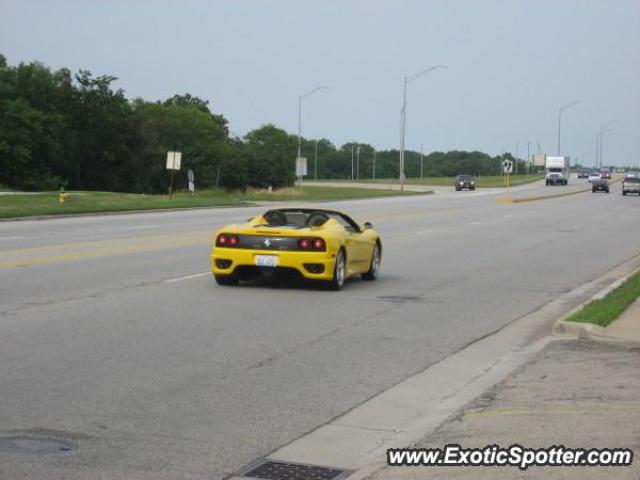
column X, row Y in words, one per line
column 323, row 245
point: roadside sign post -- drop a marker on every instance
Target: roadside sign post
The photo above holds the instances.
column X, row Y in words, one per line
column 301, row 169
column 191, row 177
column 507, row 168
column 173, row 163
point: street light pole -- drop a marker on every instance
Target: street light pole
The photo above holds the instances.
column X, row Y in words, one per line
column 352, row 145
column 300, row 99
column 517, row 145
column 403, row 114
column 560, row 110
column 421, row 159
column 358, row 162
column 315, row 163
column 603, row 130
column 528, row 157
column 374, row 165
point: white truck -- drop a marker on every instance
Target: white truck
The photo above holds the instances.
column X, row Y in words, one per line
column 557, row 171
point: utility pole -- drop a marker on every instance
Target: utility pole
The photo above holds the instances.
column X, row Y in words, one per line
column 421, row 160
column 528, row 157
column 358, row 162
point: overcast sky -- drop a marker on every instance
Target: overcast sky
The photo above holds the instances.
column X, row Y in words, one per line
column 512, row 65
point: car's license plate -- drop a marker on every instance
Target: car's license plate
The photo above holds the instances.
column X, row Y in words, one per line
column 266, row 260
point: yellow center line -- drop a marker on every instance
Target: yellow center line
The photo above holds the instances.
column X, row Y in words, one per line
column 44, row 254
column 139, row 245
column 91, row 243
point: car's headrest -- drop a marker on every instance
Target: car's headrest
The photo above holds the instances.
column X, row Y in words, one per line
column 276, row 218
column 317, row 219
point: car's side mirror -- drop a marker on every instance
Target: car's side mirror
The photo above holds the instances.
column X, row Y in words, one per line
column 368, row 225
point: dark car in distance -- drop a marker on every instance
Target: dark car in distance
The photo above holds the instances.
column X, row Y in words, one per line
column 599, row 185
column 583, row 174
column 464, row 181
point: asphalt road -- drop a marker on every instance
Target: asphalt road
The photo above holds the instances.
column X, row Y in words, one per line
column 115, row 337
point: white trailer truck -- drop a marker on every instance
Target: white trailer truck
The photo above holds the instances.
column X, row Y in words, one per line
column 557, row 171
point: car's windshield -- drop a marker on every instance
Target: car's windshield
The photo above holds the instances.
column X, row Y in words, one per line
column 632, row 180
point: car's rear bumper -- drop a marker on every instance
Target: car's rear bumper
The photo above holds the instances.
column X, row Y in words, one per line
column 228, row 261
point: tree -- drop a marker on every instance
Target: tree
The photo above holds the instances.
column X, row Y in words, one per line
column 272, row 153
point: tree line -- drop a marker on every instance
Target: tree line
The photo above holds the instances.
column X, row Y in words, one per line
column 80, row 132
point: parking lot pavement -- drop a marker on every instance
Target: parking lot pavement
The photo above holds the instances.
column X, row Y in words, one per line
column 573, row 393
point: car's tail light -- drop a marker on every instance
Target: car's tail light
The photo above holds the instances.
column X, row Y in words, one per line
column 304, row 243
column 314, row 244
column 226, row 240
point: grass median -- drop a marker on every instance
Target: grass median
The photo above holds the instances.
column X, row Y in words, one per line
column 16, row 205
column 605, row 310
column 496, row 181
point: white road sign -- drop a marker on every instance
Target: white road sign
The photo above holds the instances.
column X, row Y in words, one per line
column 539, row 160
column 173, row 160
column 507, row 166
column 301, row 167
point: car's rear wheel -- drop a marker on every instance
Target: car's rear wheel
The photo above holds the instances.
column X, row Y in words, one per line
column 339, row 272
column 623, row 192
column 226, row 280
column 374, row 266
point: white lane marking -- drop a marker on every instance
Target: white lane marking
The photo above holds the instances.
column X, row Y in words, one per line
column 2, row 239
column 508, row 216
column 179, row 279
column 422, row 232
column 140, row 227
column 474, row 223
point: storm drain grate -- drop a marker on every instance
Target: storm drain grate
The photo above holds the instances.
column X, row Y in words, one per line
column 274, row 470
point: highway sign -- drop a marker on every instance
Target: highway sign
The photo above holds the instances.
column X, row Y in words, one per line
column 301, row 167
column 539, row 159
column 190, row 176
column 173, row 160
column 507, row 166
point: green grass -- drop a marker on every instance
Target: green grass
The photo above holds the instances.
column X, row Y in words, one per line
column 495, row 181
column 25, row 205
column 604, row 311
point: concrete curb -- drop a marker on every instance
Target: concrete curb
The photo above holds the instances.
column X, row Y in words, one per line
column 546, row 197
column 414, row 407
column 210, row 207
column 591, row 331
column 57, row 216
